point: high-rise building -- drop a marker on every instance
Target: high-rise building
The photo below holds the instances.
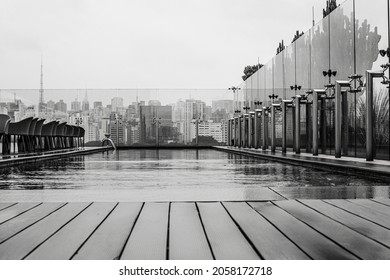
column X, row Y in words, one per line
column 220, row 105
column 206, row 128
column 132, row 134
column 61, row 106
column 75, row 106
column 93, row 133
column 194, row 110
column 50, row 106
column 154, row 103
column 117, row 132
column 116, row 104
column 85, row 103
column 153, row 118
column 97, row 104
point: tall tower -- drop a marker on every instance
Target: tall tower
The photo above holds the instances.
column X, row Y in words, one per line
column 41, row 105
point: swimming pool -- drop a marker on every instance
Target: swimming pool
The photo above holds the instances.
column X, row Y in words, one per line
column 177, row 175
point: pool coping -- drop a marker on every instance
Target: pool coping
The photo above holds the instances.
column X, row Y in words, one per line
column 4, row 163
column 346, row 165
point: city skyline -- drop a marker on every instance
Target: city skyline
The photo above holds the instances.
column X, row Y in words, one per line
column 166, row 96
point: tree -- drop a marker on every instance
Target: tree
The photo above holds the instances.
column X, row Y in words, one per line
column 250, row 70
column 330, row 6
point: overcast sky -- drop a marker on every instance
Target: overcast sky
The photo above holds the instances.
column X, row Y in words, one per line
column 143, row 43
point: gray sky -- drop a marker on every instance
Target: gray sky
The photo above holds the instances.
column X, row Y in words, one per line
column 143, row 43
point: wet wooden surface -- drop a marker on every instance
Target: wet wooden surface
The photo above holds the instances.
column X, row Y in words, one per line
column 288, row 229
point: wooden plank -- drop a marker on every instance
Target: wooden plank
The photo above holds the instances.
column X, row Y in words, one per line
column 365, row 227
column 268, row 240
column 361, row 211
column 148, row 241
column 5, row 205
column 21, row 222
column 226, row 240
column 310, row 241
column 63, row 244
column 20, row 245
column 15, row 210
column 376, row 206
column 385, row 201
column 108, row 241
column 354, row 242
column 187, row 240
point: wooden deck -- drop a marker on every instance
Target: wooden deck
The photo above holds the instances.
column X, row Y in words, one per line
column 287, row 229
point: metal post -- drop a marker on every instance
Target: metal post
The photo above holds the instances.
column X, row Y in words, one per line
column 265, row 128
column 236, row 132
column 229, row 130
column 240, row 131
column 316, row 93
column 257, row 125
column 297, row 131
column 338, row 115
column 196, row 132
column 273, row 126
column 250, row 129
column 246, row 130
column 284, row 124
column 370, row 75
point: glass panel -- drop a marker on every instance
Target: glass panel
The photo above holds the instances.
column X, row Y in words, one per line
column 319, row 53
column 254, row 90
column 371, row 36
column 269, row 83
column 342, row 54
column 289, row 70
column 263, row 98
column 303, row 62
column 278, row 76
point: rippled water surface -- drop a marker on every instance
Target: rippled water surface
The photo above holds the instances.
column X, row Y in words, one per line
column 184, row 175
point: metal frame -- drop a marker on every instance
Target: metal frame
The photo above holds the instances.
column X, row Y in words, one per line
column 273, row 126
column 258, row 113
column 370, row 75
column 338, row 115
column 284, row 124
column 265, row 129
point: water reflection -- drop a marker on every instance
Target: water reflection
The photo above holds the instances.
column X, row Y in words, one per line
column 185, row 175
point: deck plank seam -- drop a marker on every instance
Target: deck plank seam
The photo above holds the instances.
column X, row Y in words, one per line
column 16, row 233
column 168, row 227
column 278, row 229
column 244, row 234
column 354, row 229
column 374, row 200
column 204, row 231
column 353, row 201
column 374, row 222
column 59, row 229
column 131, row 231
column 89, row 236
column 6, row 207
column 32, row 207
column 277, row 193
column 321, row 233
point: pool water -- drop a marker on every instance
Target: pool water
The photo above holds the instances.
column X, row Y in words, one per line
column 177, row 175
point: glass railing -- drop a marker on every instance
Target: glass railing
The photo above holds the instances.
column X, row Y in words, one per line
column 344, row 43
